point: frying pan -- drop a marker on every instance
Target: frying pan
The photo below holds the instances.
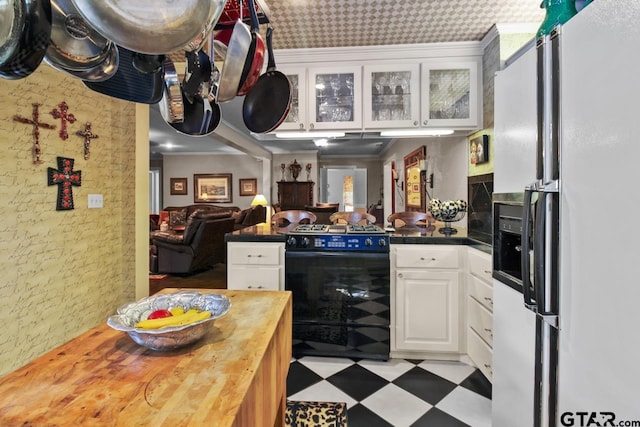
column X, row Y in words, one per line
column 76, row 48
column 255, row 57
column 237, row 51
column 201, row 117
column 266, row 106
column 130, row 84
column 144, row 26
column 171, row 105
column 24, row 36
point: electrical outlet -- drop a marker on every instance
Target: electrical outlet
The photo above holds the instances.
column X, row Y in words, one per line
column 95, row 201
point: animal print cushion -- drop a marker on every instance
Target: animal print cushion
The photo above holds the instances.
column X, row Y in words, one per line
column 315, row 414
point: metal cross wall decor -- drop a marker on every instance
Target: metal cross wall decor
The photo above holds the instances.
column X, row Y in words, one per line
column 65, row 177
column 35, row 121
column 63, row 114
column 88, row 136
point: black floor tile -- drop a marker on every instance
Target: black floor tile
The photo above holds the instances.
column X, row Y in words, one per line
column 360, row 416
column 357, row 382
column 478, row 383
column 437, row 418
column 426, row 385
column 300, row 377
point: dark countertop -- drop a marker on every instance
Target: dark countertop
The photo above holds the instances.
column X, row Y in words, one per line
column 421, row 236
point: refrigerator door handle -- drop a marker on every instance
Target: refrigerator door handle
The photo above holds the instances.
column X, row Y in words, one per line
column 525, row 253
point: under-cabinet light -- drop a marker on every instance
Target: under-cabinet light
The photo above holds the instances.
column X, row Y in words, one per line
column 416, row 132
column 309, row 135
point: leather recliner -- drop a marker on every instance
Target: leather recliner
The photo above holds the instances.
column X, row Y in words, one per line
column 200, row 247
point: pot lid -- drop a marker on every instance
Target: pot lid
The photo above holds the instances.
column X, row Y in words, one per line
column 11, row 23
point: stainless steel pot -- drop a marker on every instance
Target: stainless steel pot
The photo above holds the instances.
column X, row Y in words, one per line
column 77, row 48
column 171, row 106
column 11, row 21
column 151, row 26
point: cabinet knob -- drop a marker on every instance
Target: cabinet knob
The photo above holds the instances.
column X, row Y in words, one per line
column 400, row 275
column 301, row 126
column 311, row 126
column 415, row 123
column 425, row 122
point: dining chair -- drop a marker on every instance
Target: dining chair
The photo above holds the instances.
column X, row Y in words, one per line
column 293, row 216
column 352, row 218
column 323, row 213
column 410, row 219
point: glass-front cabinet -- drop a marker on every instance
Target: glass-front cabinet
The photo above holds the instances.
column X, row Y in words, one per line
column 297, row 117
column 391, row 96
column 450, row 94
column 335, row 95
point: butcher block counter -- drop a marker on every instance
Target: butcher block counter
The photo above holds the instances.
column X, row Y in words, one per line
column 234, row 376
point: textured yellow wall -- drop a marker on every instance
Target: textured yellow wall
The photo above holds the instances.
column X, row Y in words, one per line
column 63, row 272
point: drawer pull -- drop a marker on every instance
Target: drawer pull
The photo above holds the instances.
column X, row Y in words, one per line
column 487, row 271
column 257, row 287
column 258, row 256
column 487, row 366
column 489, row 299
column 423, row 259
column 487, row 330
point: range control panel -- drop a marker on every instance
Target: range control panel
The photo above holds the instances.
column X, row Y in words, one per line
column 338, row 242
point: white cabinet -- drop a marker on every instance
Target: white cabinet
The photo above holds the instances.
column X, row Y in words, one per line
column 297, row 117
column 450, row 94
column 391, row 96
column 480, row 311
column 426, row 288
column 255, row 265
column 334, row 97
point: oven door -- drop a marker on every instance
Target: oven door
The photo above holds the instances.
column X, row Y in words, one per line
column 341, row 303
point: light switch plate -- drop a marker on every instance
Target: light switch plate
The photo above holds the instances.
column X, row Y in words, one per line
column 95, row 201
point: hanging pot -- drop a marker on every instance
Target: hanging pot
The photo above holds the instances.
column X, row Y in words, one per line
column 267, row 105
column 255, row 57
column 171, row 105
column 148, row 27
column 76, row 48
column 130, row 84
column 201, row 117
column 24, row 36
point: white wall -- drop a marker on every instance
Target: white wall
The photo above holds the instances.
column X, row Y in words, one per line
column 185, row 166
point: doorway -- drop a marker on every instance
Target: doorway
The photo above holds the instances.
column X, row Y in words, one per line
column 346, row 185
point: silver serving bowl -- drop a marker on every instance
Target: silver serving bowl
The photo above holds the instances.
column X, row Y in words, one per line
column 169, row 338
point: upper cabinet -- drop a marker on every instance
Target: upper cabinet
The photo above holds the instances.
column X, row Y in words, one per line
column 334, row 98
column 297, row 117
column 391, row 96
column 450, row 94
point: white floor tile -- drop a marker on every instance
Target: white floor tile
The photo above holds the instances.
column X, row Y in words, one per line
column 325, row 366
column 456, row 372
column 389, row 370
column 324, row 392
column 397, row 406
column 467, row 406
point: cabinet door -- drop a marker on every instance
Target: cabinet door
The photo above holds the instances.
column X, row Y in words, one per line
column 449, row 93
column 297, row 117
column 295, row 195
column 391, row 96
column 335, row 98
column 427, row 310
column 255, row 278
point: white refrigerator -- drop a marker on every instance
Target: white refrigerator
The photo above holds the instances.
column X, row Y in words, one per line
column 573, row 357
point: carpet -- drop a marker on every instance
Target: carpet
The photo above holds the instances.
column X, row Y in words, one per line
column 315, row 414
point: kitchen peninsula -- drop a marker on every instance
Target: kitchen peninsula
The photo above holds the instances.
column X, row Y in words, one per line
column 234, row 376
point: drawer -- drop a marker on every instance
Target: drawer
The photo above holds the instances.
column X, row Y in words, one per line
column 480, row 320
column 480, row 264
column 481, row 291
column 481, row 354
column 427, row 256
column 255, row 254
column 254, row 278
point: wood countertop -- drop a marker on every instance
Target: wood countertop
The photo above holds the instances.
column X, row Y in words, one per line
column 234, row 376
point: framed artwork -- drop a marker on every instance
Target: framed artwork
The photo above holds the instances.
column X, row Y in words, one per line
column 414, row 175
column 212, row 188
column 248, row 187
column 178, row 186
column 479, row 150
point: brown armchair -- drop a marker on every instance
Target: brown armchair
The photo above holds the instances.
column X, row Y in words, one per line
column 352, row 218
column 200, row 247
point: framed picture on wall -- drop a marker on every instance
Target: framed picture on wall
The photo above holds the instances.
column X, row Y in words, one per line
column 212, row 188
column 248, row 186
column 178, row 186
column 479, row 150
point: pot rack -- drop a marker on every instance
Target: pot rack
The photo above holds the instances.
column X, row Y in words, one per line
column 231, row 13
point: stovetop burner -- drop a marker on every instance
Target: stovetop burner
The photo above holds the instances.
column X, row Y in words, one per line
column 366, row 229
column 311, row 228
column 337, row 229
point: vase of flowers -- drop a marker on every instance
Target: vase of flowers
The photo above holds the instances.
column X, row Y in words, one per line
column 295, row 169
column 283, row 167
column 308, row 169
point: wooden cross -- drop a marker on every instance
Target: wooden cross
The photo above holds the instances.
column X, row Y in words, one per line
column 35, row 121
column 88, row 136
column 65, row 177
column 64, row 117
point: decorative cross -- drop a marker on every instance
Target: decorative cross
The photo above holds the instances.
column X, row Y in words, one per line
column 65, row 177
column 88, row 136
column 35, row 121
column 64, row 117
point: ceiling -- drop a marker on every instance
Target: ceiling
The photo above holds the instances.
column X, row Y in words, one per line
column 306, row 24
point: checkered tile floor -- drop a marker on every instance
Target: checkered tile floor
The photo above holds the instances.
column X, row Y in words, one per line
column 395, row 393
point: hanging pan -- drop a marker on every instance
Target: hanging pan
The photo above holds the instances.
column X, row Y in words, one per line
column 25, row 34
column 171, row 105
column 237, row 51
column 77, row 48
column 130, row 84
column 201, row 117
column 255, row 57
column 266, row 106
